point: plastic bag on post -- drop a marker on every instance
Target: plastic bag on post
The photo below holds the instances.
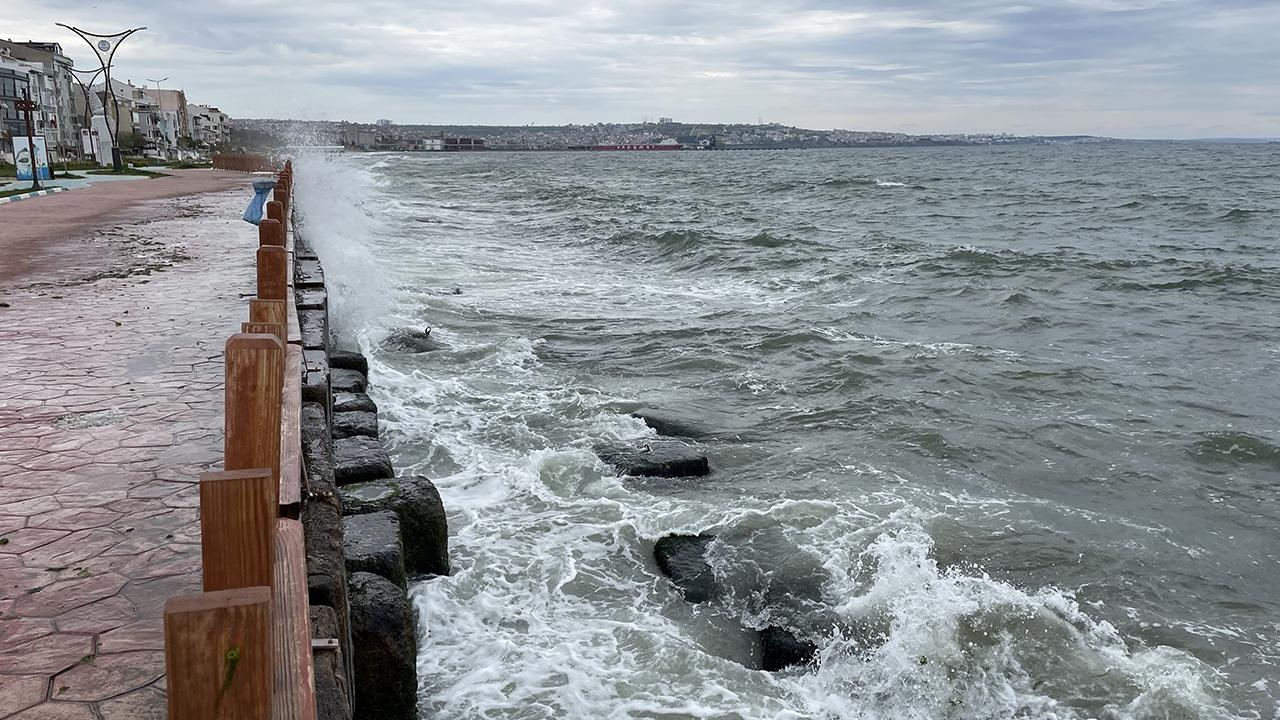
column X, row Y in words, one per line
column 253, row 213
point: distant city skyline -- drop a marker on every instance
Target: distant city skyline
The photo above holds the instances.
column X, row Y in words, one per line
column 1118, row 68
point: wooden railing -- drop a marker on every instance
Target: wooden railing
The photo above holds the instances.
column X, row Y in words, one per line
column 245, row 163
column 242, row 647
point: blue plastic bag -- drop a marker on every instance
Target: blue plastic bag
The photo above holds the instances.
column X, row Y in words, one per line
column 253, row 213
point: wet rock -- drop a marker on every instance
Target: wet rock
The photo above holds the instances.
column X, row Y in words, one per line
column 683, row 558
column 312, row 299
column 317, row 449
column 352, row 424
column 357, row 459
column 348, row 381
column 665, row 423
column 780, row 648
column 656, row 458
column 353, row 402
column 326, row 566
column 349, row 361
column 332, row 694
column 384, row 641
column 424, row 527
column 371, row 543
column 315, row 378
column 308, row 274
column 410, row 340
column 314, row 327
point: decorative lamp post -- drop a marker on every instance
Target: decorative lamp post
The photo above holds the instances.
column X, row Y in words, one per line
column 88, row 106
column 105, row 46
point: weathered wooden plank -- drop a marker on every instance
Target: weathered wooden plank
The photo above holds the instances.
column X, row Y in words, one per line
column 293, row 690
column 254, row 374
column 218, row 655
column 291, row 435
column 293, row 331
column 237, row 529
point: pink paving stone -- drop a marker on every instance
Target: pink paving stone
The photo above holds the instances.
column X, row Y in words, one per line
column 65, row 595
column 145, row 704
column 51, row 654
column 142, row 635
column 74, row 518
column 106, row 676
column 163, row 561
column 56, row 711
column 98, row 617
column 20, row 692
column 20, row 541
column 72, row 550
column 19, row 631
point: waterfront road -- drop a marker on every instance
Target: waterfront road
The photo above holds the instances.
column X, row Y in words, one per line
column 110, row 410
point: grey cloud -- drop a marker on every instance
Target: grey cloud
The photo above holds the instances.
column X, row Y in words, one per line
column 1121, row 67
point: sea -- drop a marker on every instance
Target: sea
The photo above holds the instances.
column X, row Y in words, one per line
column 993, row 428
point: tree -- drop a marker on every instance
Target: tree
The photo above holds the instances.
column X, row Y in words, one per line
column 129, row 141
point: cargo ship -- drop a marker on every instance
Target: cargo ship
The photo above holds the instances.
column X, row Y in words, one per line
column 668, row 144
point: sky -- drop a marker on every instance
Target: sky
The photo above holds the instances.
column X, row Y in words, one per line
column 1120, row 68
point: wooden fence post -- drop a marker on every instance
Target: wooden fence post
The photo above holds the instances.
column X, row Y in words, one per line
column 237, row 529
column 268, row 311
column 273, row 273
column 275, row 211
column 268, row 233
column 217, row 655
column 254, row 377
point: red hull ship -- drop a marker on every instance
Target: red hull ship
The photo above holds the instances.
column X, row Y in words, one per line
column 642, row 146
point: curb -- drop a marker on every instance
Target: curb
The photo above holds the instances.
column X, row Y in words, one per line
column 38, row 193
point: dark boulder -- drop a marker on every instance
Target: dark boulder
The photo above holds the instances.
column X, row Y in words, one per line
column 357, row 459
column 352, row 424
column 353, row 402
column 384, row 642
column 349, row 361
column 683, row 558
column 780, row 648
column 655, row 458
column 412, row 341
column 347, row 381
column 423, row 525
column 371, row 543
column 665, row 423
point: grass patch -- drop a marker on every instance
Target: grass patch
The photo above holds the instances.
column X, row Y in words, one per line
column 129, row 171
column 20, row 191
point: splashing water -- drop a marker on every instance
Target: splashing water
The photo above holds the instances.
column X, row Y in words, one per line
column 940, row 572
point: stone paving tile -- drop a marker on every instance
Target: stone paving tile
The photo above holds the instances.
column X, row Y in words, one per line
column 113, row 409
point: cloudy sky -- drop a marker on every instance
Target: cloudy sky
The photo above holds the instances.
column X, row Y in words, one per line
column 1129, row 68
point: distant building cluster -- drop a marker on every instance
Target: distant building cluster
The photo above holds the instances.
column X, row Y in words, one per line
column 384, row 135
column 155, row 122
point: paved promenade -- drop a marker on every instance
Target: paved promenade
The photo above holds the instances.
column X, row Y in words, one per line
column 48, row 231
column 112, row 408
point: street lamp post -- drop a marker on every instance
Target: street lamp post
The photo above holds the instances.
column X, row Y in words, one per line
column 160, row 102
column 26, row 105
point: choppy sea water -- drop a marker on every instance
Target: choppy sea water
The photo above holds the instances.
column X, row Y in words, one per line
column 993, row 427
